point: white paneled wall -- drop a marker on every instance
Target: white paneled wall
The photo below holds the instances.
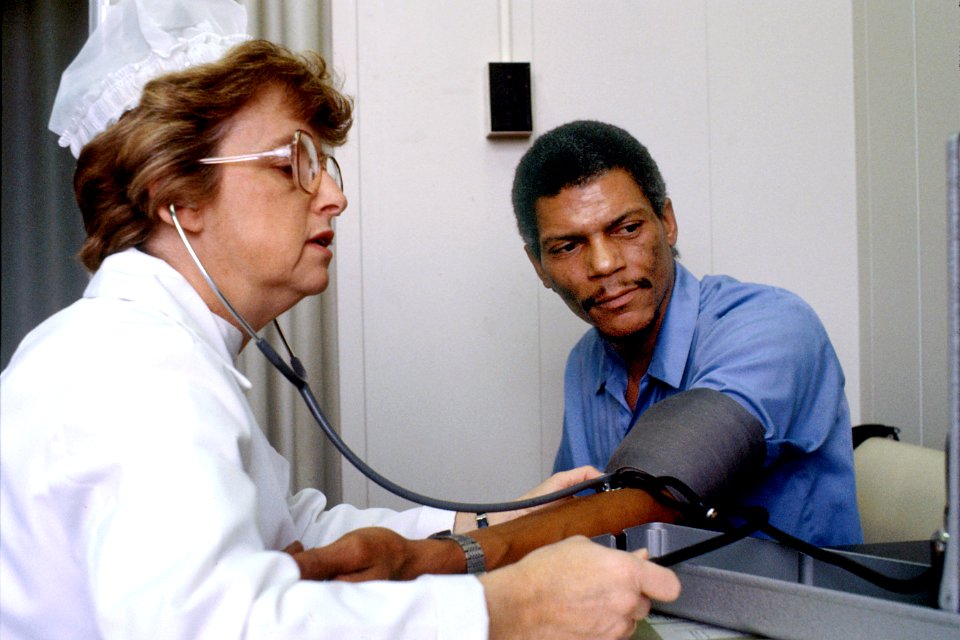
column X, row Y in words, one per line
column 909, row 86
column 451, row 353
column 445, row 325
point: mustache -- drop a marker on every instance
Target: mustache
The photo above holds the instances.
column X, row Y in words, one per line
column 596, row 298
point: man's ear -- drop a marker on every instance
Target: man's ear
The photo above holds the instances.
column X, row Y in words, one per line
column 538, row 266
column 669, row 221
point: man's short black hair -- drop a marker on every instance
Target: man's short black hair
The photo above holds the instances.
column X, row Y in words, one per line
column 573, row 154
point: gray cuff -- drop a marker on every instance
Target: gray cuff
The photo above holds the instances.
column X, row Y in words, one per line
column 701, row 437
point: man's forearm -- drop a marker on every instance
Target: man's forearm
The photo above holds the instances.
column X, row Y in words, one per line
column 374, row 553
column 503, row 544
column 609, row 512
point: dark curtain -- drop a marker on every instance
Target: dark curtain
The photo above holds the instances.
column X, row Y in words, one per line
column 42, row 229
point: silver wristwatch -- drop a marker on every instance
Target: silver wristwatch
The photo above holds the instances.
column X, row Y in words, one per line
column 476, row 562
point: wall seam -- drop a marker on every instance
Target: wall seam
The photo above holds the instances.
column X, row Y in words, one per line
column 871, row 240
column 919, row 226
column 706, row 74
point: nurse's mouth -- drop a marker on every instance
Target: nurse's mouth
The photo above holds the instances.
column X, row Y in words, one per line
column 323, row 239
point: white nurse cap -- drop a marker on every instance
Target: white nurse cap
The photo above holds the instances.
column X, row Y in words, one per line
column 137, row 41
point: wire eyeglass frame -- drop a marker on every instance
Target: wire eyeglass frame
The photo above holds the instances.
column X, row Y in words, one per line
column 306, row 174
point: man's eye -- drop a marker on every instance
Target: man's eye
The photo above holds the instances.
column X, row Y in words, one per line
column 566, row 247
column 630, row 228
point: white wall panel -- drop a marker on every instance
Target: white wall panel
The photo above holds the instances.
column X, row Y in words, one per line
column 938, row 115
column 909, row 91
column 892, row 211
column 449, row 310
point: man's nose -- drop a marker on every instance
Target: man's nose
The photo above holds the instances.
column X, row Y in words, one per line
column 604, row 257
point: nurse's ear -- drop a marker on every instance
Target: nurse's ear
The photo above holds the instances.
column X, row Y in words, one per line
column 187, row 215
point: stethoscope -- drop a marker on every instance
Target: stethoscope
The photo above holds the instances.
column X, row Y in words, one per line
column 296, row 374
column 666, row 490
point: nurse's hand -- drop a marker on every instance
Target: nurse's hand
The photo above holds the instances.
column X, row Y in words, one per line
column 575, row 589
column 556, row 482
column 571, row 589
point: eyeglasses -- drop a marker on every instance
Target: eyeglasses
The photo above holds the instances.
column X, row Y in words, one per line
column 307, row 162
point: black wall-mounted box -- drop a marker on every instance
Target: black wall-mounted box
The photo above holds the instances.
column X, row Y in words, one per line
column 511, row 114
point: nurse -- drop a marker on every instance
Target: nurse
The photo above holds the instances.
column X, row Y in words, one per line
column 138, row 495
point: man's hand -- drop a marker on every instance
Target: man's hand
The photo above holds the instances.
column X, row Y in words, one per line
column 575, row 589
column 376, row 553
column 556, row 482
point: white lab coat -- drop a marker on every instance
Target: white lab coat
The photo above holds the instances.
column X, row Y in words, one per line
column 140, row 499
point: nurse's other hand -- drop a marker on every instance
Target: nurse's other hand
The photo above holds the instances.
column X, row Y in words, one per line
column 575, row 589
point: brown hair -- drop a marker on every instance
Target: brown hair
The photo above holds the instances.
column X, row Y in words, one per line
column 181, row 118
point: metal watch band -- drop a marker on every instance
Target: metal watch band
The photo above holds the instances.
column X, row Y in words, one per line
column 476, row 562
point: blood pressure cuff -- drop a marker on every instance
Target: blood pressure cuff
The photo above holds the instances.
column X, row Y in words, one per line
column 701, row 437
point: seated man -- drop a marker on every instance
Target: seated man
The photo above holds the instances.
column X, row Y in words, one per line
column 592, row 209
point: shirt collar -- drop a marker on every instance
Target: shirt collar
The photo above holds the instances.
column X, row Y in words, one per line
column 136, row 276
column 611, row 370
column 672, row 349
column 673, row 342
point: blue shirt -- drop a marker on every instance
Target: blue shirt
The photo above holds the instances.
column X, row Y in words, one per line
column 765, row 348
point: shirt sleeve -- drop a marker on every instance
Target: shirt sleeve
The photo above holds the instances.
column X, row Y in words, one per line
column 772, row 355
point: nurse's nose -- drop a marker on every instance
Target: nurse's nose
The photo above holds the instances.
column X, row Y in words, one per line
column 329, row 198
